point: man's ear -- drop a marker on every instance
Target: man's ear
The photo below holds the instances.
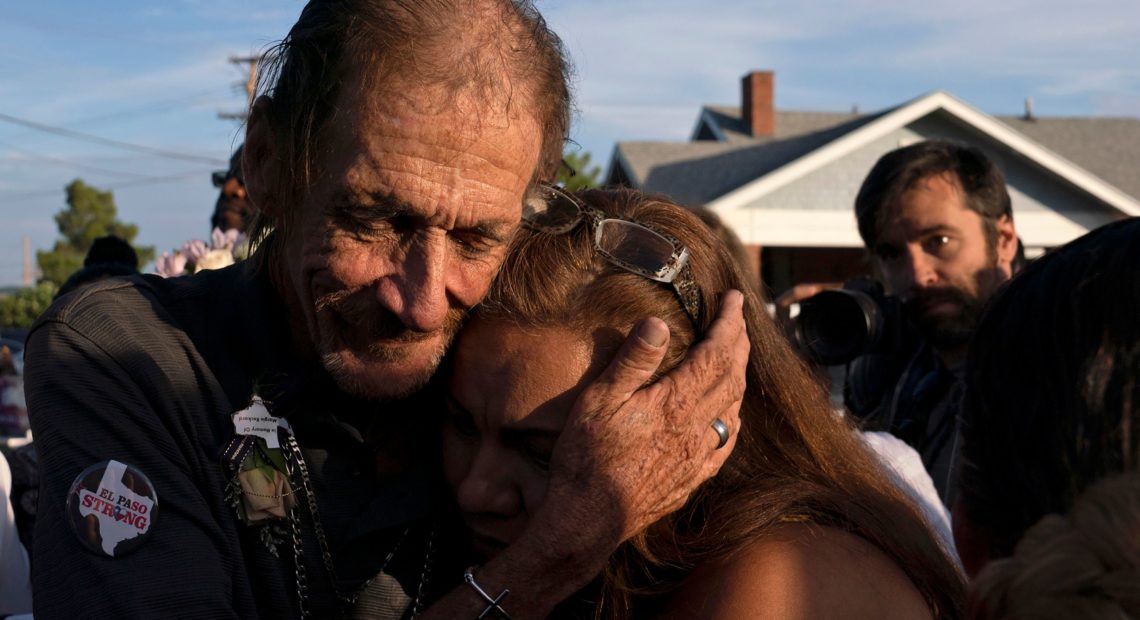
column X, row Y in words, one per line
column 1006, row 248
column 259, row 161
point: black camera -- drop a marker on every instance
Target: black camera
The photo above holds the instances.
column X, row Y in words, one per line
column 836, row 326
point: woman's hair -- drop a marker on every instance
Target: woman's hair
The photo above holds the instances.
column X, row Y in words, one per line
column 794, row 457
column 1083, row 565
column 1053, row 385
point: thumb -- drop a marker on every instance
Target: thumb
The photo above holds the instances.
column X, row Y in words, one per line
column 637, row 360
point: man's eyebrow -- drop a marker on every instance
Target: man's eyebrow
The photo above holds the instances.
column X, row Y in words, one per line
column 936, row 229
column 369, row 205
column 495, row 231
column 518, row 434
column 381, row 205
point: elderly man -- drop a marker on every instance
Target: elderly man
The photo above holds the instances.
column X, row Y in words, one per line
column 247, row 443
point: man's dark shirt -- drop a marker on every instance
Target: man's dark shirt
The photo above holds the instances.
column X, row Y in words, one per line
column 148, row 372
column 912, row 395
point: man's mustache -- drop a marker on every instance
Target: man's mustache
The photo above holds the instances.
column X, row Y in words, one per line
column 376, row 322
column 928, row 298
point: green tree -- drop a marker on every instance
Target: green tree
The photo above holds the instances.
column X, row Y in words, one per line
column 21, row 308
column 90, row 214
column 576, row 172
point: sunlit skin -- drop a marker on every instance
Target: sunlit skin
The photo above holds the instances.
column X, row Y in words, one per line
column 933, row 254
column 508, row 398
column 405, row 229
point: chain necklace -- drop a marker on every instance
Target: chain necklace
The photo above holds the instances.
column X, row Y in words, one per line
column 299, row 474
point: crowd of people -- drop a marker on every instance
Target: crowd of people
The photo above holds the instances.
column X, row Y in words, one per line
column 416, row 399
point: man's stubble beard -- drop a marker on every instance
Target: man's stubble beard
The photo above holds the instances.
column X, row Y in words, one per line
column 337, row 309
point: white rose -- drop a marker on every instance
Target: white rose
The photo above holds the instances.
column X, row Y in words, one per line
column 215, row 259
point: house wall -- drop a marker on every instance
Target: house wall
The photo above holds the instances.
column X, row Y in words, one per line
column 818, row 209
column 783, row 268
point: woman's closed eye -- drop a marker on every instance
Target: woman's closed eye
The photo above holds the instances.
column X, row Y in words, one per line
column 460, row 419
column 536, row 446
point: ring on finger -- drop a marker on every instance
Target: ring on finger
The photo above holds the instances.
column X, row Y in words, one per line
column 721, row 430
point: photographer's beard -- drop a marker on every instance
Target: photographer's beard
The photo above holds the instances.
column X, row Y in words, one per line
column 946, row 316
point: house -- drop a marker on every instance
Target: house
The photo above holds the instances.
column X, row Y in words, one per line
column 785, row 181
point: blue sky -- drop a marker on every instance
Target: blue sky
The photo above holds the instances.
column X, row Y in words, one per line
column 156, row 74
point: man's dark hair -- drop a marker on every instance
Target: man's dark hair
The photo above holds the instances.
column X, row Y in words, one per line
column 108, row 257
column 111, row 249
column 1053, row 385
column 455, row 43
column 903, row 169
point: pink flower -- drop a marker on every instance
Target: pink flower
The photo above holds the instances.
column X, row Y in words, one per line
column 194, row 250
column 170, row 265
column 224, row 240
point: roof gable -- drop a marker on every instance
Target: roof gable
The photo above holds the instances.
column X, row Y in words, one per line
column 874, row 127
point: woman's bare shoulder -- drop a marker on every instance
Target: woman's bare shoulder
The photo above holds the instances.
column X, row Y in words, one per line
column 801, row 570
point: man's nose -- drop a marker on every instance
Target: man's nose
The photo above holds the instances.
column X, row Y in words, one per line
column 487, row 488
column 919, row 270
column 418, row 294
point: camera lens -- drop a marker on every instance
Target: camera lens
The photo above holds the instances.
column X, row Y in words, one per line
column 835, row 327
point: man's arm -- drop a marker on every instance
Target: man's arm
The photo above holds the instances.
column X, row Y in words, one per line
column 88, row 406
column 629, row 455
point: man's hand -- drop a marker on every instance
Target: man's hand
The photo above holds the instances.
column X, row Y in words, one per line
column 630, row 454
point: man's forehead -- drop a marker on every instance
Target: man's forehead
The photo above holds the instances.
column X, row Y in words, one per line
column 933, row 202
column 487, row 132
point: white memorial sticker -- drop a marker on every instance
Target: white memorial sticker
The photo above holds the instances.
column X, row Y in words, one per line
column 257, row 421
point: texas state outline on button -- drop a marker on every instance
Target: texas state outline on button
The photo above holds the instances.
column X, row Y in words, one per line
column 121, row 513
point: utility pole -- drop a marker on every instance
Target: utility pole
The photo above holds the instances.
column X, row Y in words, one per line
column 250, row 85
column 27, row 261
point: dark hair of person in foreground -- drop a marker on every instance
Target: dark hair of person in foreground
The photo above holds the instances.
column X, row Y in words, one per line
column 795, row 460
column 1053, row 390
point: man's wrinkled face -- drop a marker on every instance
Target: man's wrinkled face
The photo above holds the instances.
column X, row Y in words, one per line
column 405, row 228
column 935, row 255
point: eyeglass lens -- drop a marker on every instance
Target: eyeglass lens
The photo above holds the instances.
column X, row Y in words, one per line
column 635, row 245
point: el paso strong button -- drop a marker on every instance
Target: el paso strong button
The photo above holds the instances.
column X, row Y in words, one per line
column 112, row 508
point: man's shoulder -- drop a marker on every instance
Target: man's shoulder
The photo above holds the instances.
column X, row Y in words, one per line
column 104, row 299
column 124, row 305
column 873, row 379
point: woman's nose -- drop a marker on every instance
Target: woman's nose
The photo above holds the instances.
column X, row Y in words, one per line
column 488, row 489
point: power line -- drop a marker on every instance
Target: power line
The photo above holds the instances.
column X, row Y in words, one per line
column 71, row 163
column 132, row 183
column 60, row 131
column 160, row 105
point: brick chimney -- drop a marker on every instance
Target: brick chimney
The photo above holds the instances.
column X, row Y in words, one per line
column 757, row 105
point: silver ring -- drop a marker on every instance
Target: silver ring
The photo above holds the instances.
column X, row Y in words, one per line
column 721, row 429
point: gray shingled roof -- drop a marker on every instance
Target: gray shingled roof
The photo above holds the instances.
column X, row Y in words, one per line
column 789, row 123
column 1106, row 147
column 694, row 173
column 697, row 172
